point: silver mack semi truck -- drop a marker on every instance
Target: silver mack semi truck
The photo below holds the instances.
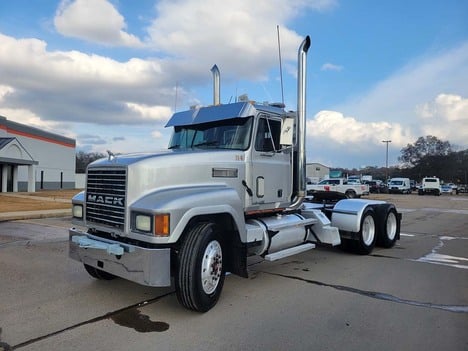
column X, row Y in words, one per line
column 231, row 185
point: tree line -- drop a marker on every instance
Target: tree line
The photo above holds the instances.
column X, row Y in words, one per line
column 427, row 156
column 430, row 156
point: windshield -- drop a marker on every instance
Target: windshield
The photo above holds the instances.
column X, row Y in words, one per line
column 231, row 133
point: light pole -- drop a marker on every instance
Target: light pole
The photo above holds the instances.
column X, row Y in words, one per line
column 386, row 160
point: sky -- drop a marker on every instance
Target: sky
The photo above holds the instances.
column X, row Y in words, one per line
column 110, row 73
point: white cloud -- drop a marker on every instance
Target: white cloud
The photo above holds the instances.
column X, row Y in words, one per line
column 336, row 140
column 229, row 32
column 28, row 118
column 94, row 20
column 407, row 98
column 331, row 67
column 156, row 134
column 4, row 91
column 80, row 87
column 396, row 96
column 341, row 130
column 446, row 117
column 448, row 107
column 158, row 113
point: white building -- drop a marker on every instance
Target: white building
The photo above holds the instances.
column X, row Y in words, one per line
column 32, row 159
column 316, row 172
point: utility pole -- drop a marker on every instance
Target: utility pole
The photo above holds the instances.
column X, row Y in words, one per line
column 386, row 160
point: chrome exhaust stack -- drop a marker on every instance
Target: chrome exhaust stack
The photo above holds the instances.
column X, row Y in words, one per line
column 216, row 86
column 300, row 161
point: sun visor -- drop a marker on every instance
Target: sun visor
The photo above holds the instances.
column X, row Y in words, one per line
column 211, row 114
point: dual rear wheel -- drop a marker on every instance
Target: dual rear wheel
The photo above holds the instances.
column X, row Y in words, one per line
column 383, row 232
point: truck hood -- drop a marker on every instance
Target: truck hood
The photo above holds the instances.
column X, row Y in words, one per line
column 127, row 159
column 146, row 173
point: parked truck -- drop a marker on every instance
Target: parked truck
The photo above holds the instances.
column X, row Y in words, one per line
column 399, row 186
column 430, row 185
column 231, row 185
column 339, row 185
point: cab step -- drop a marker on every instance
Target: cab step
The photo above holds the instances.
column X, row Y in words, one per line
column 289, row 252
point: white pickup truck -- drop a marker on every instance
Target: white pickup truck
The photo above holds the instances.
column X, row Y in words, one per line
column 339, row 185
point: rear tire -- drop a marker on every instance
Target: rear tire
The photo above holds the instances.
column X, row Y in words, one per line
column 97, row 273
column 389, row 229
column 367, row 234
column 200, row 271
column 350, row 194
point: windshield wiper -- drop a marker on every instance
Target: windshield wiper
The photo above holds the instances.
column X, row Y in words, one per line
column 207, row 143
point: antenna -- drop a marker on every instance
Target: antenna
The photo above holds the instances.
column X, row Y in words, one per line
column 280, row 65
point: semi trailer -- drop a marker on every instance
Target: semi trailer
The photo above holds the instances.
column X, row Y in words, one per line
column 231, row 185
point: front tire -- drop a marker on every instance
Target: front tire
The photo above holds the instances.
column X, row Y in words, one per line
column 97, row 273
column 200, row 272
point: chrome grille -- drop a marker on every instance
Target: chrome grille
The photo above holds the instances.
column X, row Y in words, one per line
column 105, row 197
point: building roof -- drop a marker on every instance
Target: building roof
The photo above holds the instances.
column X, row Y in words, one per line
column 4, row 142
column 15, row 128
column 13, row 152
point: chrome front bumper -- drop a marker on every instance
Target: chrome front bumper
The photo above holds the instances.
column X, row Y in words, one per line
column 150, row 267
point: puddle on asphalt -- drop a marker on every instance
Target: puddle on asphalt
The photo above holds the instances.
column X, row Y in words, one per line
column 133, row 318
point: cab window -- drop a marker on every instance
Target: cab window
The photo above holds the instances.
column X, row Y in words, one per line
column 268, row 135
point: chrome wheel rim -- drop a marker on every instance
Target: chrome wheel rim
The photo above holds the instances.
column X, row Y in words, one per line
column 368, row 230
column 391, row 226
column 212, row 267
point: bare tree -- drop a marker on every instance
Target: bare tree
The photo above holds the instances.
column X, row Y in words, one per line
column 430, row 145
column 83, row 159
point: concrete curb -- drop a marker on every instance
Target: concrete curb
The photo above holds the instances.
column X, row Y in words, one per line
column 15, row 216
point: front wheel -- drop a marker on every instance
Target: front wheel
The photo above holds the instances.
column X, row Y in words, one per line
column 200, row 272
column 97, row 273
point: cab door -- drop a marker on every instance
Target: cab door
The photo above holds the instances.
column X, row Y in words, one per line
column 271, row 166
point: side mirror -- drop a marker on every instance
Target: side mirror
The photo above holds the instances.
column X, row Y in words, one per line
column 287, row 132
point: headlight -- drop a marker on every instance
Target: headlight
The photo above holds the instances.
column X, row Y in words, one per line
column 143, row 223
column 77, row 211
column 157, row 224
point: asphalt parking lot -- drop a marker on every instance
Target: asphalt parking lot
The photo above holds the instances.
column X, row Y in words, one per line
column 413, row 296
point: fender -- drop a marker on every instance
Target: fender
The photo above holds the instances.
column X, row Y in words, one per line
column 347, row 214
column 185, row 203
column 79, row 198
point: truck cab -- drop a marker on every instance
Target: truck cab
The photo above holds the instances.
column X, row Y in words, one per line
column 244, row 140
